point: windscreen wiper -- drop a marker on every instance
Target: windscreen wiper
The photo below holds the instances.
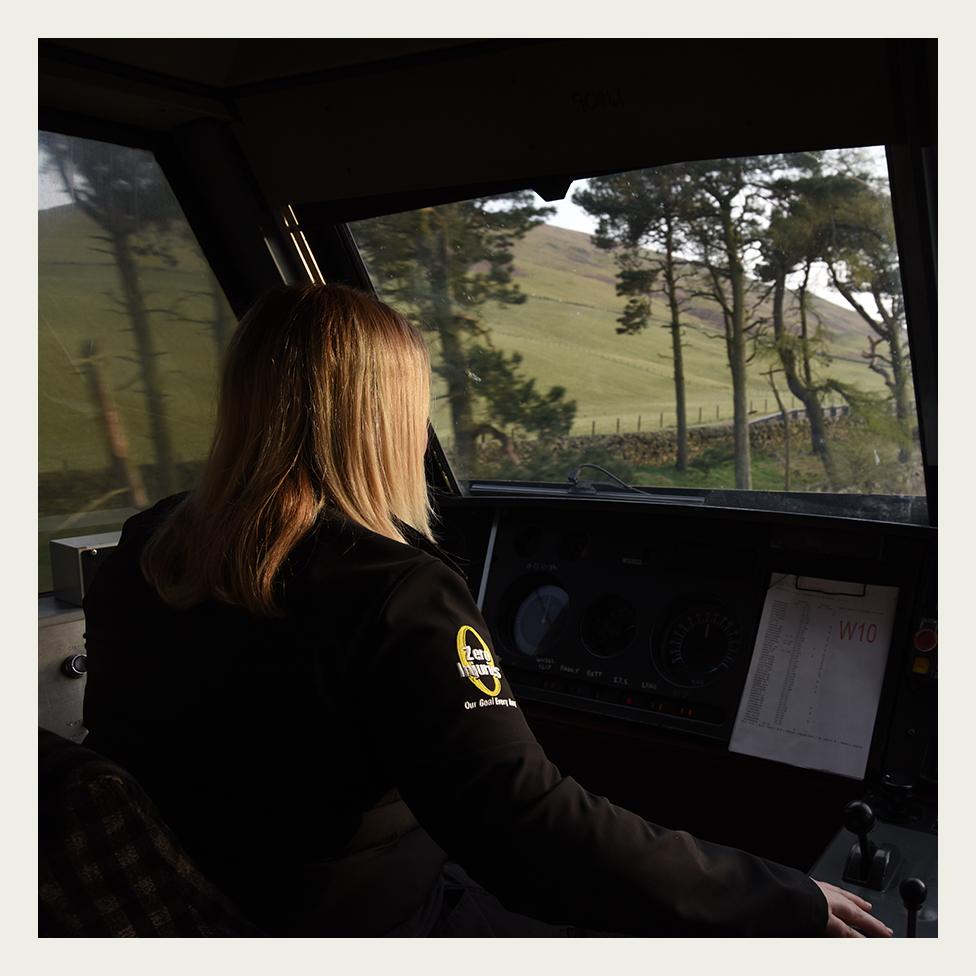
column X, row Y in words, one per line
column 578, row 487
column 591, row 487
column 575, row 486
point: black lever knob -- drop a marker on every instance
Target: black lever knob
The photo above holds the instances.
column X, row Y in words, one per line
column 859, row 819
column 867, row 864
column 913, row 894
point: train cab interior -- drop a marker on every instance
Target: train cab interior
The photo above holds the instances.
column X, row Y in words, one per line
column 680, row 300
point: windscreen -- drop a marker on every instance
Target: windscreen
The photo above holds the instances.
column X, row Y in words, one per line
column 730, row 324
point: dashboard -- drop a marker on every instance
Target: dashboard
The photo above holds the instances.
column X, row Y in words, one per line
column 627, row 630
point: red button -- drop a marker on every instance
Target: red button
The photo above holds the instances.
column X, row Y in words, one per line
column 926, row 640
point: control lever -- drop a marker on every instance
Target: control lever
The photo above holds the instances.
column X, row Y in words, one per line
column 913, row 893
column 867, row 863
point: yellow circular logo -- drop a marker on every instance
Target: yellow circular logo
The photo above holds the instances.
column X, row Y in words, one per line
column 476, row 661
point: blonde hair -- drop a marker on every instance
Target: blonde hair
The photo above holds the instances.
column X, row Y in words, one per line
column 324, row 402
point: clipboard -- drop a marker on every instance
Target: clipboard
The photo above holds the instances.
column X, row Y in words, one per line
column 814, row 682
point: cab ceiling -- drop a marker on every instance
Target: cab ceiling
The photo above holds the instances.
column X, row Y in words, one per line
column 231, row 64
column 360, row 120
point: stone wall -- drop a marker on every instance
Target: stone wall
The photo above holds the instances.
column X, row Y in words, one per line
column 659, row 447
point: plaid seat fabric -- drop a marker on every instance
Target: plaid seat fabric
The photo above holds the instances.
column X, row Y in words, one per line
column 108, row 865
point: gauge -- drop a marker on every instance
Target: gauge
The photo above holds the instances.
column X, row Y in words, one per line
column 698, row 644
column 608, row 626
column 537, row 615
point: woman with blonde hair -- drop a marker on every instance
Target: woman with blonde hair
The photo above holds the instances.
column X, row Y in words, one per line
column 300, row 679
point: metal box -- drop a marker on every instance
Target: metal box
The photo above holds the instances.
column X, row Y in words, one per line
column 75, row 561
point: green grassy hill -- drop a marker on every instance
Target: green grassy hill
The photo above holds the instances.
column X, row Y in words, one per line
column 565, row 331
column 566, row 334
column 79, row 301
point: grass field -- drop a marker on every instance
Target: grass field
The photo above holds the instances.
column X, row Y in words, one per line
column 566, row 333
column 78, row 302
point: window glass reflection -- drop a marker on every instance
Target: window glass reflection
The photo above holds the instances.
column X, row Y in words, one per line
column 131, row 326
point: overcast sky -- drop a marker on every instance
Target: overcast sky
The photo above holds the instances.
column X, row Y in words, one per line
column 575, row 218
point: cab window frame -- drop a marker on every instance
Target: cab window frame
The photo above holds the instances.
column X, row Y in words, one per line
column 326, row 225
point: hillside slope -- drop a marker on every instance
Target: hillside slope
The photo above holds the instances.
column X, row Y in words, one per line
column 566, row 332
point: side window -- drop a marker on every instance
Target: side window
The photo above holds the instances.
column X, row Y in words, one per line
column 132, row 324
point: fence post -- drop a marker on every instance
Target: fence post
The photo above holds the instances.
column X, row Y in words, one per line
column 638, row 423
column 699, row 414
column 618, row 425
column 592, row 428
column 766, row 405
column 662, row 419
column 716, row 411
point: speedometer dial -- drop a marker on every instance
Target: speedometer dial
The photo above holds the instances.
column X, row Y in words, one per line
column 698, row 644
column 536, row 617
column 609, row 626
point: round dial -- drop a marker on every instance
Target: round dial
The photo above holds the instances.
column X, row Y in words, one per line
column 608, row 626
column 536, row 616
column 698, row 644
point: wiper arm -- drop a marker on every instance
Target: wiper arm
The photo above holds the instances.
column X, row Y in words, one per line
column 591, row 487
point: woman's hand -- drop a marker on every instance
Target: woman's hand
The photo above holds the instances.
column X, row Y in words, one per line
column 847, row 915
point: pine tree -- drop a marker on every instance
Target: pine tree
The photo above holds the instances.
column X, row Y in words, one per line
column 728, row 214
column 857, row 242
column 440, row 265
column 790, row 246
column 641, row 218
column 124, row 193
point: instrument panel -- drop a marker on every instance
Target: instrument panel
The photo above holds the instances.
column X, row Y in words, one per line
column 648, row 613
column 647, row 626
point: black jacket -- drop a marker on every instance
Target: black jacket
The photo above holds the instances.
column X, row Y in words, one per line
column 294, row 757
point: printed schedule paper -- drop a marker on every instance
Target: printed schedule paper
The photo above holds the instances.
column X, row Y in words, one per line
column 812, row 692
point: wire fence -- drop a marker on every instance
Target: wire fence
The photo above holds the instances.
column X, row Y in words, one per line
column 761, row 410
